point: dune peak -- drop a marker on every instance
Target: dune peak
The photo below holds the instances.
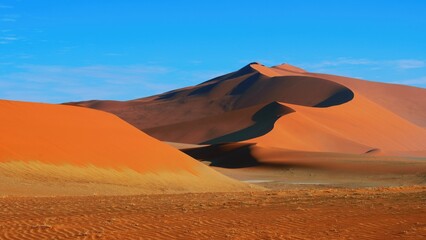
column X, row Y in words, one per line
column 288, row 67
column 274, row 71
column 260, row 68
column 255, row 63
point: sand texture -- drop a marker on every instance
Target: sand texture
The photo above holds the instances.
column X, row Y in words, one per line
column 379, row 213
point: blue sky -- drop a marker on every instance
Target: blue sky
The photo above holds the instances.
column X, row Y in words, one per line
column 69, row 50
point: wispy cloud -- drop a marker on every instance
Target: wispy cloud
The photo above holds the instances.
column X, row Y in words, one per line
column 421, row 81
column 9, row 18
column 410, row 63
column 112, row 54
column 401, row 71
column 397, row 64
column 340, row 62
column 7, row 39
column 198, row 76
column 6, row 34
column 51, row 83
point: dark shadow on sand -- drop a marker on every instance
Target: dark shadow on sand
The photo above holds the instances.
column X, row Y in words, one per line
column 264, row 121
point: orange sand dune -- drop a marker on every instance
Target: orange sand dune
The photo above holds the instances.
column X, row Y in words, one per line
column 323, row 113
column 405, row 101
column 355, row 127
column 251, row 85
column 50, row 144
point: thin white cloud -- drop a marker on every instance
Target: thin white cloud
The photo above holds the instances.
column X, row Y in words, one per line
column 374, row 64
column 65, row 83
column 198, row 76
column 421, row 81
column 410, row 63
column 111, row 54
column 57, row 83
column 399, row 71
column 342, row 61
column 9, row 18
column 8, row 38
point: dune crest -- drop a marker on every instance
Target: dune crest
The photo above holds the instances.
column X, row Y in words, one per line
column 289, row 68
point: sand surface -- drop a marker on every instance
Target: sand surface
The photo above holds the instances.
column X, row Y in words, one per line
column 48, row 149
column 322, row 213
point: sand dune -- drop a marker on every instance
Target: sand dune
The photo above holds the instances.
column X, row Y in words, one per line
column 63, row 150
column 405, row 101
column 356, row 127
column 284, row 107
column 252, row 85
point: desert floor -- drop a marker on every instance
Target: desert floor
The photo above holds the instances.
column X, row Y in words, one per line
column 303, row 212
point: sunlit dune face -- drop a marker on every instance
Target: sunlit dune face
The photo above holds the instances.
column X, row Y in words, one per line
column 65, row 150
column 73, row 135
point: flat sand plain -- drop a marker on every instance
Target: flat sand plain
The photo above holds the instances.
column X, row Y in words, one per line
column 299, row 213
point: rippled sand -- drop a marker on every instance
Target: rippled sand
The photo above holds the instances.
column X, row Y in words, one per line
column 369, row 213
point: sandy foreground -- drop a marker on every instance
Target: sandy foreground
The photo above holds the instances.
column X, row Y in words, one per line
column 300, row 213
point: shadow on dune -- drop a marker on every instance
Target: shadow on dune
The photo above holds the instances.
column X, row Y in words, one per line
column 242, row 155
column 227, row 155
column 234, row 155
column 264, row 121
column 340, row 97
column 242, row 87
column 300, row 90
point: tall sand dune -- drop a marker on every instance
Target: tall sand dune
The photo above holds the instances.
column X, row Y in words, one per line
column 285, row 107
column 50, row 149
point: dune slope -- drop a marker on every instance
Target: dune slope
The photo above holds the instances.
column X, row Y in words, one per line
column 63, row 150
